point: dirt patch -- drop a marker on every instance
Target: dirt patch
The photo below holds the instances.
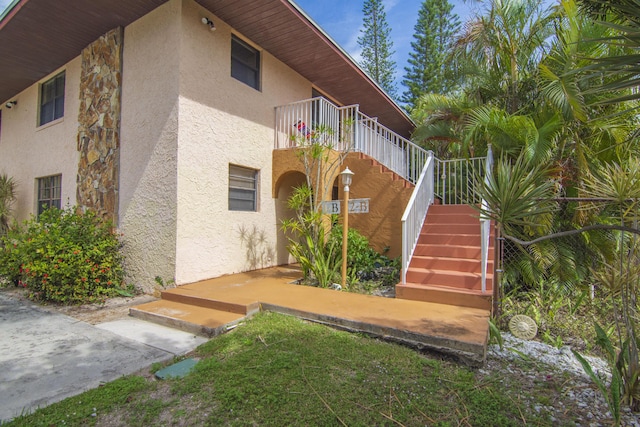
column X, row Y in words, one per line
column 112, row 309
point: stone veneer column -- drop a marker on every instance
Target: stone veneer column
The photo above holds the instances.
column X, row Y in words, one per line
column 99, row 125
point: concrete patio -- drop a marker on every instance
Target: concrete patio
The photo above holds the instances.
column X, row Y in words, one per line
column 213, row 306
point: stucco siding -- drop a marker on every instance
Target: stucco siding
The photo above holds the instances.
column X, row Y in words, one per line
column 148, row 156
column 29, row 151
column 224, row 121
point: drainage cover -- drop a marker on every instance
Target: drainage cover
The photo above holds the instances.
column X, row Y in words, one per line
column 177, row 370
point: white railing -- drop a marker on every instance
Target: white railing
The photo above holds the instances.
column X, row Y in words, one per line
column 310, row 120
column 485, row 224
column 416, row 213
column 454, row 180
column 347, row 129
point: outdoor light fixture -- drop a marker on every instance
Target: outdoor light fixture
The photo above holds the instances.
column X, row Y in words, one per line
column 209, row 22
column 346, row 176
column 11, row 104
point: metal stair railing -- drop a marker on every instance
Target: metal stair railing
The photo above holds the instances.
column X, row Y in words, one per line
column 347, row 129
column 485, row 223
column 454, row 180
column 416, row 213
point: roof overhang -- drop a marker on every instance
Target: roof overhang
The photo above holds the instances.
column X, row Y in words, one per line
column 39, row 36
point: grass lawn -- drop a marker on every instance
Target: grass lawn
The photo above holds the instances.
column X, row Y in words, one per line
column 278, row 370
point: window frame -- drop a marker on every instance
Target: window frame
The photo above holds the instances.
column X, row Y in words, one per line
column 238, row 175
column 52, row 97
column 241, row 68
column 53, row 187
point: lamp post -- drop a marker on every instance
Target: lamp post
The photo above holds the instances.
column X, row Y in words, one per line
column 346, row 176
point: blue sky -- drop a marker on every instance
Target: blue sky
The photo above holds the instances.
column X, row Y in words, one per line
column 342, row 20
column 4, row 4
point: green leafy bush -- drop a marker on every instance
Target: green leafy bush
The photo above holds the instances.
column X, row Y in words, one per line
column 64, row 257
column 363, row 262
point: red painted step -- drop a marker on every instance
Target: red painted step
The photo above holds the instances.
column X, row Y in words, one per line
column 448, row 263
column 446, row 267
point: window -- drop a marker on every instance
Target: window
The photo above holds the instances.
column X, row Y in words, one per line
column 52, row 99
column 49, row 192
column 245, row 63
column 243, row 189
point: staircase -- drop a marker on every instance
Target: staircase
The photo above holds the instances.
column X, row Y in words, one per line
column 374, row 165
column 445, row 267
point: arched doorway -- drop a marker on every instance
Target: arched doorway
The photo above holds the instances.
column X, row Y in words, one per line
column 284, row 188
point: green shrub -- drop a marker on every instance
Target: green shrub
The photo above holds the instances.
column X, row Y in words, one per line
column 64, row 257
column 363, row 262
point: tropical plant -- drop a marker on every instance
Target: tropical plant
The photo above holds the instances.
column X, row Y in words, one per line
column 498, row 53
column 7, row 197
column 615, row 272
column 620, row 278
column 517, row 196
column 623, row 69
column 377, row 46
column 308, row 229
column 319, row 259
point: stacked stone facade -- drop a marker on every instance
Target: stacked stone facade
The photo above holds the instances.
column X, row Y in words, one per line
column 99, row 125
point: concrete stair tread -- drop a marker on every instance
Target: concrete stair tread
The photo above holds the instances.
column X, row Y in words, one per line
column 448, row 288
column 448, row 272
column 442, row 258
column 188, row 317
column 448, row 245
column 185, row 295
column 445, row 295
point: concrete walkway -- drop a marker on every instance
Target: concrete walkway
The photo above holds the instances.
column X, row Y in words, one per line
column 46, row 357
column 208, row 307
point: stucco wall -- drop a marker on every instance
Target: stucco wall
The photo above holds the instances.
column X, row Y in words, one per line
column 223, row 121
column 148, row 155
column 389, row 197
column 29, row 151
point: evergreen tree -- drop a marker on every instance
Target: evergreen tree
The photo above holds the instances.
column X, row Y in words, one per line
column 433, row 39
column 376, row 46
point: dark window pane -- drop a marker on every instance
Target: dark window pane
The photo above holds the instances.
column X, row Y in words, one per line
column 52, row 99
column 245, row 63
column 49, row 192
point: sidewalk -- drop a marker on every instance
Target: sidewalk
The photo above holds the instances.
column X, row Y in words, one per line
column 46, row 357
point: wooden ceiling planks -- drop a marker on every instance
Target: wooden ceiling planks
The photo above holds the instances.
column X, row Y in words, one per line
column 45, row 34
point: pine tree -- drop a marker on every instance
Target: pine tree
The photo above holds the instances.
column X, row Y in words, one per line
column 433, row 38
column 376, row 46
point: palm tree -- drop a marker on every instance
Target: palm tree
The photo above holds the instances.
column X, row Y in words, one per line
column 497, row 56
column 591, row 132
column 499, row 52
column 623, row 69
column 559, row 127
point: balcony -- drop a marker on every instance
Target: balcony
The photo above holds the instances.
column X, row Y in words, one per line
column 346, row 129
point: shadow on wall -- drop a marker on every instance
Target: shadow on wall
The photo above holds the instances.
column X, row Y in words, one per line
column 259, row 254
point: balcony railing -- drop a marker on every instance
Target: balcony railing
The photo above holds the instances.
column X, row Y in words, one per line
column 347, row 129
